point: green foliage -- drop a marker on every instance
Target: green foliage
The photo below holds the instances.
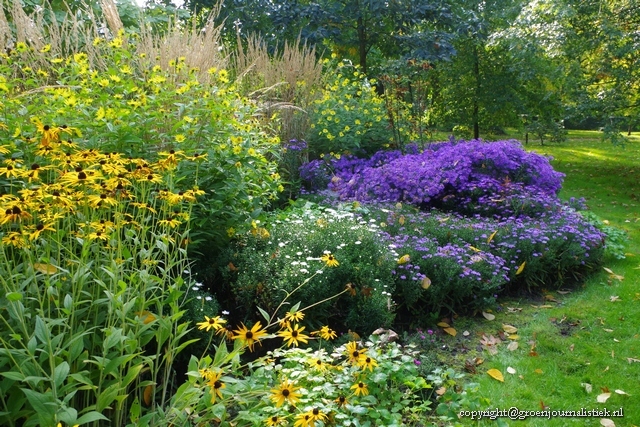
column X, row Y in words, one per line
column 264, row 266
column 547, row 128
column 132, row 105
column 616, row 240
column 319, row 383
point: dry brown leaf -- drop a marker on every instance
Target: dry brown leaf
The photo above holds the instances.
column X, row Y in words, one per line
column 588, row 387
column 451, row 331
column 509, row 329
column 441, row 391
column 488, row 316
column 603, row 397
column 631, row 360
column 606, row 422
column 513, row 345
column 147, row 395
column 496, row 374
column 444, row 325
column 45, row 268
column 514, row 309
column 511, row 370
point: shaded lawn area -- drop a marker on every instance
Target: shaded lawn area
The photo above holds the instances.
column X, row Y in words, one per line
column 579, row 339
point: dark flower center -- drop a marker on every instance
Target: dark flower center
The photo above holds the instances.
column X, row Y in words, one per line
column 294, row 334
column 217, row 384
column 249, row 335
column 82, row 175
column 285, row 392
column 40, row 226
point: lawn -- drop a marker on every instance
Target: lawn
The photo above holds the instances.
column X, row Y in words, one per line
column 580, row 347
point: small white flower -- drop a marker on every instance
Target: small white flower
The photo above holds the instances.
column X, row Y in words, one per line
column 225, row 313
column 195, row 288
column 319, row 271
column 198, row 297
column 304, row 270
column 287, row 256
column 295, row 263
column 357, row 242
column 298, row 253
column 208, row 298
column 281, row 244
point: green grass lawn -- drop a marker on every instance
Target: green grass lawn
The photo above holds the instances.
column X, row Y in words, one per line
column 579, row 338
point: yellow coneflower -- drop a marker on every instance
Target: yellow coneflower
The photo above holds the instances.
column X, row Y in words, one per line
column 250, row 336
column 214, row 382
column 15, row 239
column 341, row 401
column 317, row 415
column 293, row 335
column 295, row 316
column 304, row 420
column 38, row 229
column 274, row 420
column 286, row 391
column 360, row 388
column 352, row 352
column 325, row 333
column 214, row 323
column 330, row 260
column 14, row 214
column 367, row 362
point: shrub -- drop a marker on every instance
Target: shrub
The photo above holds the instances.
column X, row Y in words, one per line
column 264, row 266
column 134, row 104
column 349, row 116
column 442, row 174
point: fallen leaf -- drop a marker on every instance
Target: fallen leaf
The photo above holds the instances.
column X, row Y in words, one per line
column 616, row 340
column 513, row 345
column 561, row 292
column 606, row 369
column 45, row 268
column 614, row 298
column 612, row 274
column 543, row 406
column 426, row 283
column 473, row 248
column 621, row 392
column 631, row 360
column 514, row 309
column 492, row 236
column 511, row 370
column 509, row 329
column 232, row 267
column 401, row 220
column 538, row 371
column 147, row 395
column 404, row 259
column 606, row 422
column 571, row 347
column 607, row 330
column 588, row 387
column 488, row 316
column 444, row 325
column 521, row 268
column 451, row 331
column 466, row 333
column 603, row 397
column 441, row 391
column 496, row 374
column 514, row 337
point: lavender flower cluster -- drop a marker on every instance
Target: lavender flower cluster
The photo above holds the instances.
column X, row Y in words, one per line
column 465, row 175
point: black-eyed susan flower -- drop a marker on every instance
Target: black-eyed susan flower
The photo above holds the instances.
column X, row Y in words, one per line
column 352, row 352
column 15, row 239
column 36, row 230
column 304, row 420
column 295, row 316
column 367, row 362
column 214, row 382
column 250, row 336
column 275, row 420
column 317, row 415
column 285, row 392
column 330, row 260
column 317, row 363
column 341, row 401
column 293, row 335
column 214, row 323
column 360, row 388
column 325, row 333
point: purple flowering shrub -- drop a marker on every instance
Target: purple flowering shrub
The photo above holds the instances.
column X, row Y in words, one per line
column 470, row 260
column 471, row 177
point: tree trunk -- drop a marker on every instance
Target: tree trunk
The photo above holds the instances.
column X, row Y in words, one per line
column 476, row 73
column 362, row 44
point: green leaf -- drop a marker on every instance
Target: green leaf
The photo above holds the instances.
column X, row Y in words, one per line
column 134, row 411
column 14, row 296
column 60, row 374
column 12, row 375
column 67, row 416
column 41, row 330
column 264, row 314
column 43, row 404
column 107, row 397
column 90, row 417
